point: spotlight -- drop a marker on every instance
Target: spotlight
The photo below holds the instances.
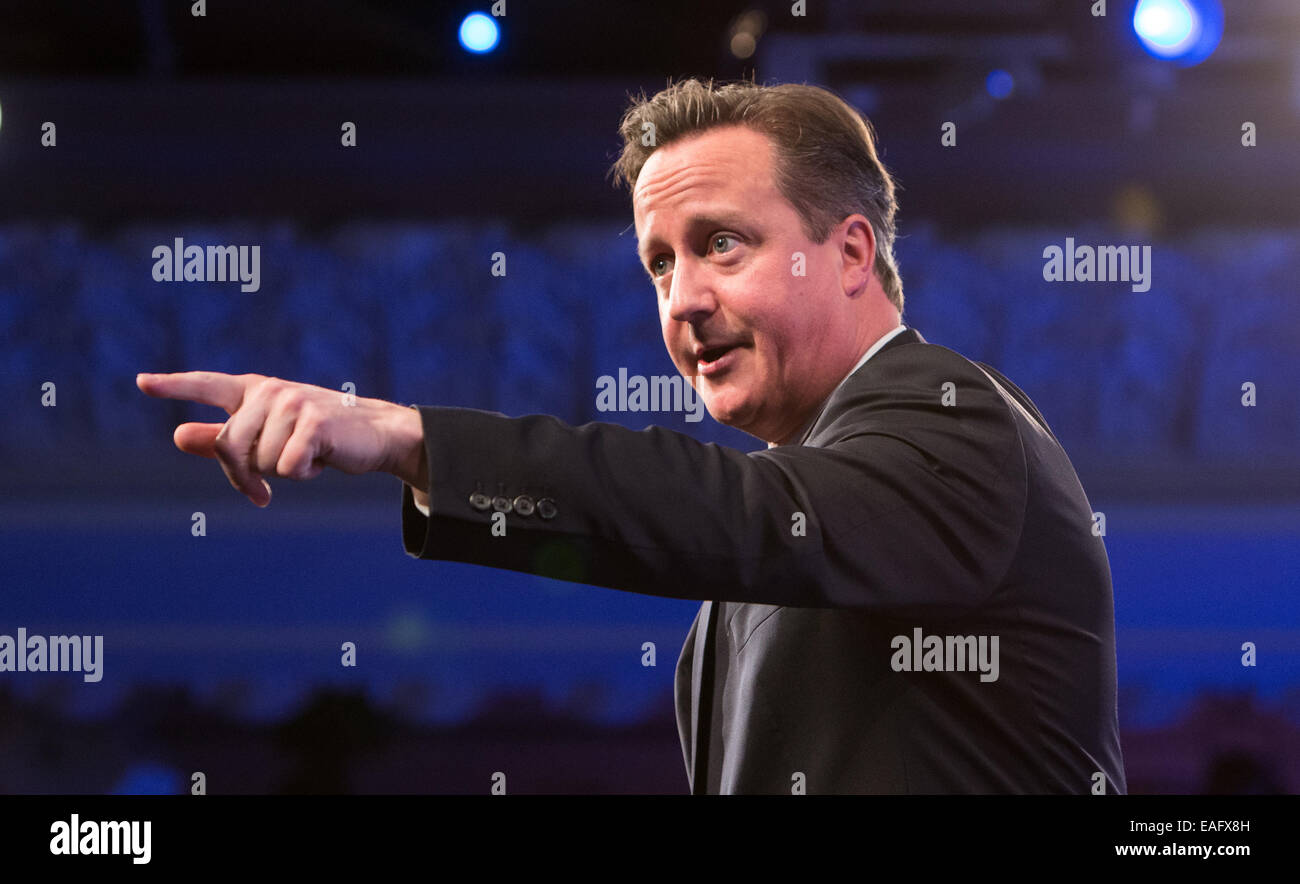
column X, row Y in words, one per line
column 1183, row 31
column 479, row 33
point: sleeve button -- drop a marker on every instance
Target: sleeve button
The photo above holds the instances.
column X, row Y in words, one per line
column 546, row 508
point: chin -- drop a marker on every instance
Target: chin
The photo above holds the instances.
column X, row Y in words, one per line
column 727, row 413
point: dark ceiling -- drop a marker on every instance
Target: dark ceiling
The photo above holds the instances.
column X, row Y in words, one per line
column 237, row 112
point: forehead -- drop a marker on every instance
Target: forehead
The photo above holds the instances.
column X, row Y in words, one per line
column 730, row 165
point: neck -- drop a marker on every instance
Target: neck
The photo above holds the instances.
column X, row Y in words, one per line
column 793, row 434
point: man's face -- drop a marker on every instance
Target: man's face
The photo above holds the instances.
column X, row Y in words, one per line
column 761, row 343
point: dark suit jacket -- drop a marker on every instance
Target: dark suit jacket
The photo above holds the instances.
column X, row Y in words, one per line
column 963, row 519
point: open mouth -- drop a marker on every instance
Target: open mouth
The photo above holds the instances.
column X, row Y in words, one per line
column 713, row 354
column 715, row 360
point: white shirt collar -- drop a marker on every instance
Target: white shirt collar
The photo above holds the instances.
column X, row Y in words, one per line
column 871, row 351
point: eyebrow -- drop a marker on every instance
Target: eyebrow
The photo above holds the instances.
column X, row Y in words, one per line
column 711, row 220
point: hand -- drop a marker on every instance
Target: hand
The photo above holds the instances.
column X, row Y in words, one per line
column 281, row 428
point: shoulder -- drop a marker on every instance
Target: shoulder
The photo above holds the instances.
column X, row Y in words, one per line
column 917, row 387
column 923, row 359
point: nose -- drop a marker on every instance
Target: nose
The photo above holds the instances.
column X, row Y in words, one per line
column 690, row 295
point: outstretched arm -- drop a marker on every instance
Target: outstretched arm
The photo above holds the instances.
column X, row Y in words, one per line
column 908, row 506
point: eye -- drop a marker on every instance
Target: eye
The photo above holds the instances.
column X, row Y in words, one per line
column 659, row 265
column 720, row 240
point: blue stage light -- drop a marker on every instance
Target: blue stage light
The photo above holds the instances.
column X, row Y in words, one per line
column 479, row 32
column 1185, row 31
column 1000, row 84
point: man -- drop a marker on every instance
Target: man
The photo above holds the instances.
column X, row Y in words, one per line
column 902, row 594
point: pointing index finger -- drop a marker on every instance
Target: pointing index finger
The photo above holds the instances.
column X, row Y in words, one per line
column 209, row 387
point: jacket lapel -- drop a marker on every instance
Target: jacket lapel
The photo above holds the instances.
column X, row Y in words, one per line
column 702, row 696
column 692, row 690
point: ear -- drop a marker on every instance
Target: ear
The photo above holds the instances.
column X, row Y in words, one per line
column 857, row 242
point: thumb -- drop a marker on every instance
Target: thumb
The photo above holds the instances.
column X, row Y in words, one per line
column 194, row 438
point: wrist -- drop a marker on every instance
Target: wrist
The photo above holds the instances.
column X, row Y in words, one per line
column 408, row 460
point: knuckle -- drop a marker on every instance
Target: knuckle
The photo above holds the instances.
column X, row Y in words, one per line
column 291, row 397
column 310, row 418
column 270, row 387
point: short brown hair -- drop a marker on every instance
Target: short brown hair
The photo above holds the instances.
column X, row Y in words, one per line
column 825, row 152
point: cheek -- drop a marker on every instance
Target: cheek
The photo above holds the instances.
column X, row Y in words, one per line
column 784, row 314
column 766, row 299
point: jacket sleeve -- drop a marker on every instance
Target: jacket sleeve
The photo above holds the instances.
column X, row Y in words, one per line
column 906, row 503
